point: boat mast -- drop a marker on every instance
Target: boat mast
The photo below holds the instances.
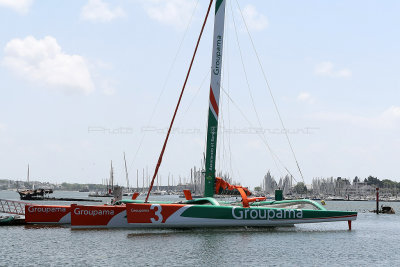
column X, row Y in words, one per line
column 126, row 173
column 27, row 176
column 216, row 68
column 112, row 177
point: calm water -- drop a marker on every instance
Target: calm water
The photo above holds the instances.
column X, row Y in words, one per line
column 374, row 240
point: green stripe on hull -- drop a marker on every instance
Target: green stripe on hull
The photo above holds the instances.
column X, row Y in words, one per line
column 260, row 213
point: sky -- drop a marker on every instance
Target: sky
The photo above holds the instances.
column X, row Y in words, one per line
column 82, row 82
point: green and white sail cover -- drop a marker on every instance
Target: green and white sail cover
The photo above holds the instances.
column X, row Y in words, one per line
column 216, row 69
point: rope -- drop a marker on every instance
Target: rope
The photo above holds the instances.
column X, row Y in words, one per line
column 165, row 82
column 177, row 105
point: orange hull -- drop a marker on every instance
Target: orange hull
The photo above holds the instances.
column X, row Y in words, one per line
column 98, row 216
column 48, row 214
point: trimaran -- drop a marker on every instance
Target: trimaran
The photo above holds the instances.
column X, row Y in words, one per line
column 200, row 212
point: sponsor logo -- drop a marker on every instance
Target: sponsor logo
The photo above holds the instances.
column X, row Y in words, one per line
column 218, row 55
column 213, row 132
column 100, row 212
column 34, row 209
column 149, row 214
column 266, row 214
column 133, row 210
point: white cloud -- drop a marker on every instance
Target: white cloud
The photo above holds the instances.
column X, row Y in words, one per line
column 174, row 13
column 392, row 112
column 254, row 20
column 2, row 127
column 20, row 6
column 391, row 117
column 43, row 61
column 305, row 97
column 327, row 68
column 96, row 10
column 106, row 85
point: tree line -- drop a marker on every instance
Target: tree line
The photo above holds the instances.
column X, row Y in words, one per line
column 300, row 187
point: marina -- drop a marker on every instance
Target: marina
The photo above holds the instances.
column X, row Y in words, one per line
column 354, row 247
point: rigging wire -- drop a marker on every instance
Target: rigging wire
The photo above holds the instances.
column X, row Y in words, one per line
column 220, row 140
column 222, row 151
column 224, row 159
column 250, row 124
column 228, row 84
column 166, row 81
column 177, row 105
column 249, row 90
column 270, row 92
column 225, row 137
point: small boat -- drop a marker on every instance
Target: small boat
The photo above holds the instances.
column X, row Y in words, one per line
column 34, row 194
column 159, row 192
column 86, row 189
column 12, row 220
column 387, row 210
column 100, row 194
column 6, row 220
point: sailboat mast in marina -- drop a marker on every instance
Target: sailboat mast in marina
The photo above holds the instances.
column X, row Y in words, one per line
column 126, row 174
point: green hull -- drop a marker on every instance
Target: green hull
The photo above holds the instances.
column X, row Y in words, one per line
column 6, row 220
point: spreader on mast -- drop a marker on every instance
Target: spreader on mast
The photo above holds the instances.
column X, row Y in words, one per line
column 216, row 68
